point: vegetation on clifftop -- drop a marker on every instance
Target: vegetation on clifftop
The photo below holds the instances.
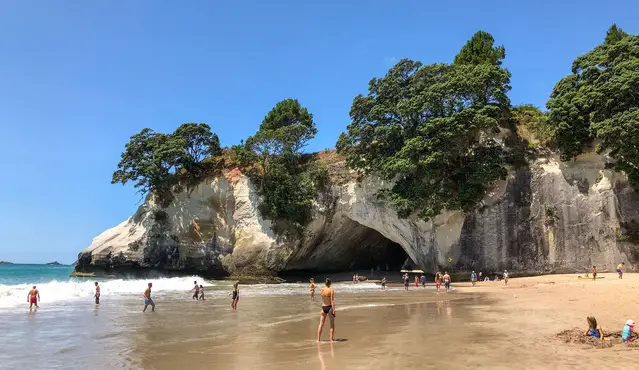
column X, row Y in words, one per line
column 443, row 133
column 599, row 103
column 434, row 129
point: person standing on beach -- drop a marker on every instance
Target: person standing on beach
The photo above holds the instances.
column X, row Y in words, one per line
column 33, row 298
column 620, row 269
column 416, row 282
column 480, row 275
column 328, row 308
column 384, row 283
column 236, row 296
column 438, row 280
column 312, row 287
column 196, row 290
column 473, row 278
column 147, row 299
column 422, row 280
column 594, row 273
column 406, row 282
column 505, row 277
column 446, row 281
column 97, row 293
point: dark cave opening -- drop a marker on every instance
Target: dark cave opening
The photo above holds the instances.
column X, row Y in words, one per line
column 348, row 247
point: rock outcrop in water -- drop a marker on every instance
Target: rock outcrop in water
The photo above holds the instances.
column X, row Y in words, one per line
column 547, row 217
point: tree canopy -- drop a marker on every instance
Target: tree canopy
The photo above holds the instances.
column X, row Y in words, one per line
column 599, row 101
column 287, row 184
column 431, row 129
column 152, row 159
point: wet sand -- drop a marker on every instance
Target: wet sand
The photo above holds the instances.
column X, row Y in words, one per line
column 481, row 327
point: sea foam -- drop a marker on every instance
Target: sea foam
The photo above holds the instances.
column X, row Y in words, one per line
column 59, row 291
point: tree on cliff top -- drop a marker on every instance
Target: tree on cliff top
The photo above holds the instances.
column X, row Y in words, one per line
column 600, row 101
column 480, row 49
column 430, row 129
column 286, row 184
column 151, row 159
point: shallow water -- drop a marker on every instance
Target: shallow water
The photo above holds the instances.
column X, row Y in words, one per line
column 274, row 327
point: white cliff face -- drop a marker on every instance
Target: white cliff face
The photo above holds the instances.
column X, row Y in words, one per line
column 549, row 217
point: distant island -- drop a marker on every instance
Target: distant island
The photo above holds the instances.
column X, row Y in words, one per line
column 54, row 263
column 5, row 263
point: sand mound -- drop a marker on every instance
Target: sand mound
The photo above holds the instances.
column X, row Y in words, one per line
column 576, row 336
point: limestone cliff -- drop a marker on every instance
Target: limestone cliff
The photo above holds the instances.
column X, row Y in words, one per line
column 548, row 217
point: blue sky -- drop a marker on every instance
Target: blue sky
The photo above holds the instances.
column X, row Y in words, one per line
column 78, row 78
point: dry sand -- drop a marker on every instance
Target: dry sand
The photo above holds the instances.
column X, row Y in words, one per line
column 543, row 316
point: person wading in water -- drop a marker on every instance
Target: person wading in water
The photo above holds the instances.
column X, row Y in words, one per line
column 33, row 297
column 147, row 299
column 328, row 308
column 97, row 293
column 312, row 288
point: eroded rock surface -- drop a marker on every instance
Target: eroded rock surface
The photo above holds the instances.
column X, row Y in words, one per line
column 548, row 217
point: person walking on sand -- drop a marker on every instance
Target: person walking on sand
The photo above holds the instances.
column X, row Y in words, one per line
column 505, row 277
column 312, row 287
column 33, row 298
column 416, row 282
column 201, row 292
column 236, row 296
column 196, row 290
column 406, row 282
column 384, row 283
column 328, row 309
column 422, row 280
column 438, row 281
column 447, row 281
column 473, row 278
column 481, row 274
column 97, row 293
column 620, row 269
column 147, row 299
column 594, row 273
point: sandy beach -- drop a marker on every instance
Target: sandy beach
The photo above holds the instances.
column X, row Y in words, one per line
column 488, row 326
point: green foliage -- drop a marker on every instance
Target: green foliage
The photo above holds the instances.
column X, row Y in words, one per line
column 480, row 49
column 287, row 184
column 430, row 129
column 600, row 101
column 533, row 124
column 614, row 34
column 155, row 161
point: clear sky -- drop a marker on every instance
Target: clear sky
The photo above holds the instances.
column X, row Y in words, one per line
column 78, row 78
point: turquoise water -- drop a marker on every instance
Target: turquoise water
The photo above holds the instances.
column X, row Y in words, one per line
column 33, row 274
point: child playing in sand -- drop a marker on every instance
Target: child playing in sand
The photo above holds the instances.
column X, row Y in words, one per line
column 593, row 330
column 628, row 331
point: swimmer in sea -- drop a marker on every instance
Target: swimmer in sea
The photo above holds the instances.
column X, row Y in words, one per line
column 384, row 283
column 201, row 292
column 236, row 296
column 446, row 281
column 196, row 290
column 312, row 288
column 328, row 308
column 33, row 297
column 147, row 299
column 97, row 293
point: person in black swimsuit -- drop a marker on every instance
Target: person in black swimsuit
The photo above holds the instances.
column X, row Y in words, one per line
column 328, row 309
column 236, row 296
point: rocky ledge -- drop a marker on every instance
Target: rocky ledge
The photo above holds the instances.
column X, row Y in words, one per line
column 5, row 263
column 549, row 217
